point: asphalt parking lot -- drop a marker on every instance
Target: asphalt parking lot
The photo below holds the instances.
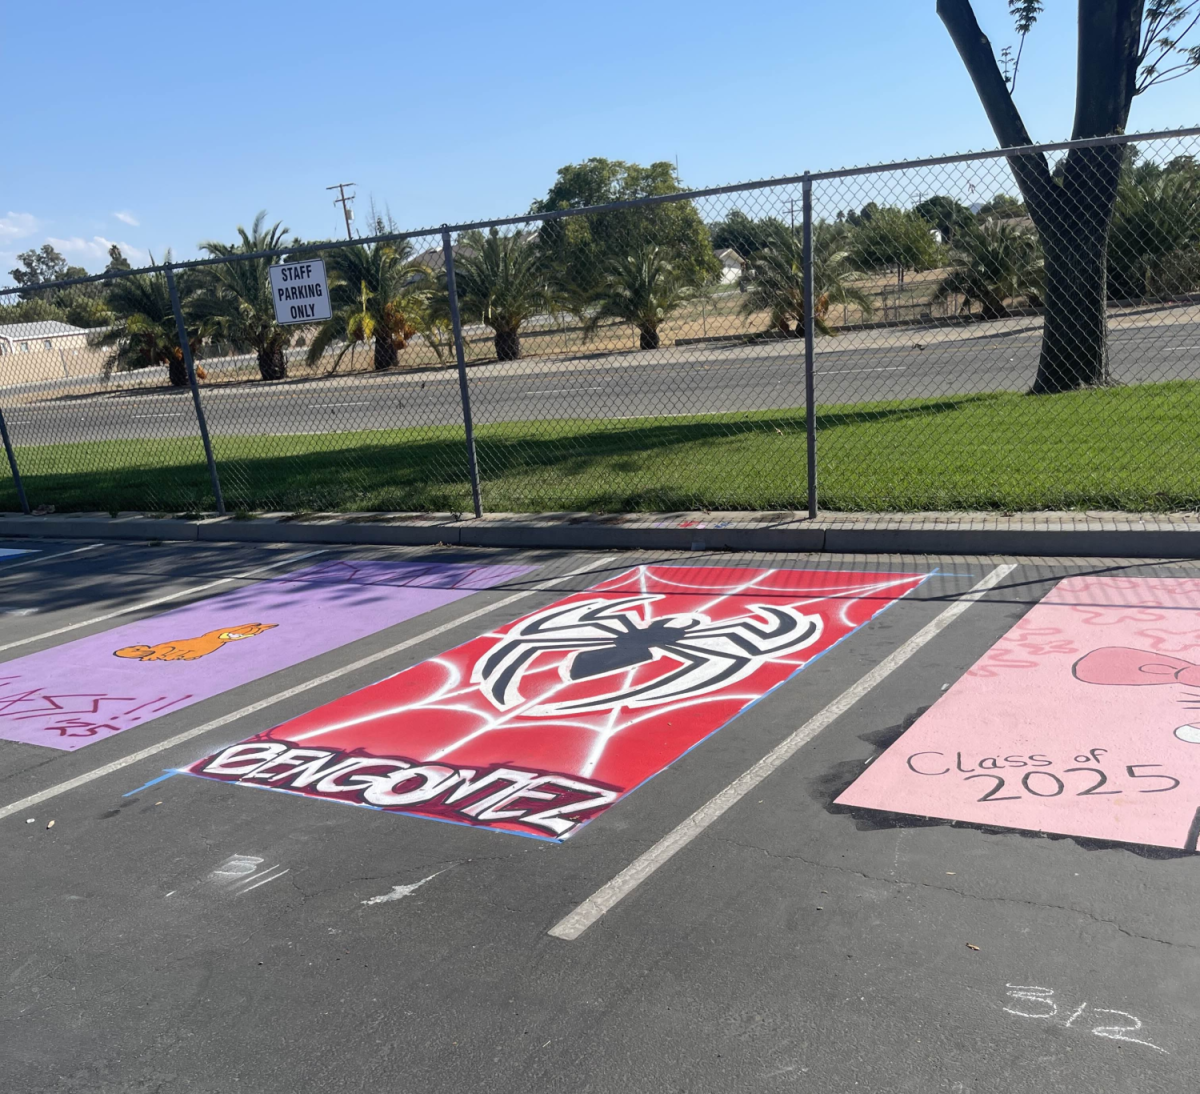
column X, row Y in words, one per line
column 695, row 911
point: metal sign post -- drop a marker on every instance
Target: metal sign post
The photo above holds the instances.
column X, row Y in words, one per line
column 810, row 397
column 12, row 463
column 191, row 374
column 463, row 390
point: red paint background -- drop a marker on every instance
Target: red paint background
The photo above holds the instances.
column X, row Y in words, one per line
column 432, row 713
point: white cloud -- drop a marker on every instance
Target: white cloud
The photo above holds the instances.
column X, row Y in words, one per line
column 17, row 226
column 127, row 217
column 96, row 249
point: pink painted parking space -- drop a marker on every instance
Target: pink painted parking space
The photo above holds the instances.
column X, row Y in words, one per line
column 1078, row 721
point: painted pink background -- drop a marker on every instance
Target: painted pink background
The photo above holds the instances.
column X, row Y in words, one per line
column 77, row 693
column 1021, row 700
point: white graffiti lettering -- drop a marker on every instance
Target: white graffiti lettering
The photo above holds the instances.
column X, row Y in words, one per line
column 544, row 802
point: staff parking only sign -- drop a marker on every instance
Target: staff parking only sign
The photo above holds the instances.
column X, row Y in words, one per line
column 300, row 292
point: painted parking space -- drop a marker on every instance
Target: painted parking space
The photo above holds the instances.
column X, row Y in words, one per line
column 541, row 725
column 1078, row 721
column 92, row 688
column 789, row 938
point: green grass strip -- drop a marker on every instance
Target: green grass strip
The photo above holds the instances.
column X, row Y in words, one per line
column 1134, row 448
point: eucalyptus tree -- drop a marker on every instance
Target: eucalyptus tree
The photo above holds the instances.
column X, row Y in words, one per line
column 894, row 239
column 578, row 250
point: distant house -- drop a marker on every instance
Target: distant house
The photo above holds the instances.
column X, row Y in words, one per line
column 732, row 266
column 1023, row 224
column 46, row 336
column 46, row 350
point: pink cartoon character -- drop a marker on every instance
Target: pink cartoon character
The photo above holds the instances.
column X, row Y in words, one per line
column 1120, row 665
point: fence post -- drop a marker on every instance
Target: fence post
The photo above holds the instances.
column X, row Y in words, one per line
column 191, row 372
column 463, row 390
column 810, row 400
column 12, row 463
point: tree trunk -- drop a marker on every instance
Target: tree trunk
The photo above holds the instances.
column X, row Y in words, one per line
column 272, row 364
column 992, row 307
column 1073, row 213
column 385, row 351
column 508, row 345
column 1075, row 336
column 649, row 338
column 1074, row 221
column 177, row 370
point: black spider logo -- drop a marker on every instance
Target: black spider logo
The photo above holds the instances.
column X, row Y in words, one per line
column 613, row 635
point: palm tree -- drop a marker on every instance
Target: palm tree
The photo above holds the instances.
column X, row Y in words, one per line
column 774, row 279
column 143, row 332
column 642, row 289
column 377, row 293
column 1154, row 244
column 994, row 262
column 501, row 282
column 233, row 301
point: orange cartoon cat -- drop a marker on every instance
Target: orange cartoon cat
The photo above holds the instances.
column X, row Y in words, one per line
column 191, row 649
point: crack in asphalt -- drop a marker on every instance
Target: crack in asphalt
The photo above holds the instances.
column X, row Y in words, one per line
column 899, row 883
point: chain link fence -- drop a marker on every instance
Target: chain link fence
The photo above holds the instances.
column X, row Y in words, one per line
column 1003, row 331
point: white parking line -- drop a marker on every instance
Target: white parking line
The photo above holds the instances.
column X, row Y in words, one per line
column 558, row 390
column 279, row 697
column 575, row 923
column 10, row 566
column 845, row 371
column 156, row 601
column 319, row 406
column 171, row 414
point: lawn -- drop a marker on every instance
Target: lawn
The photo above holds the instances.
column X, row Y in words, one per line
column 1135, row 448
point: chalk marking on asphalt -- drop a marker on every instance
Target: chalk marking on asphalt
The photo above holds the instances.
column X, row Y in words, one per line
column 280, row 696
column 157, row 600
column 399, row 892
column 167, row 774
column 269, row 877
column 572, row 925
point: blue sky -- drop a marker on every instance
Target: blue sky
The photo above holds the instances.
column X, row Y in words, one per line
column 159, row 126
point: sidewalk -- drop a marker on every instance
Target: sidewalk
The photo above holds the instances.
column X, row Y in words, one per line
column 1122, row 535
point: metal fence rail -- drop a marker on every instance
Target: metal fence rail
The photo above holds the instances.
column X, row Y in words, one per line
column 702, row 349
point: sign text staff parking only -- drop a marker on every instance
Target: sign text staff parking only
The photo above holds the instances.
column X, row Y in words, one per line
column 300, row 292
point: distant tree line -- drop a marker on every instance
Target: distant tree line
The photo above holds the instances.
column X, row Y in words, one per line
column 636, row 266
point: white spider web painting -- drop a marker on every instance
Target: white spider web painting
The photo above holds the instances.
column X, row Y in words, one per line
column 541, row 724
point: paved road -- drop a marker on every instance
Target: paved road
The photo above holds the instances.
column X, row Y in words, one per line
column 711, row 378
column 200, row 937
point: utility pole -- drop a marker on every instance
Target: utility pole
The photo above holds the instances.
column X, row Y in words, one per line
column 344, row 202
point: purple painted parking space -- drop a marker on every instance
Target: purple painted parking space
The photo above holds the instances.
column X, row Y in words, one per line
column 84, row 691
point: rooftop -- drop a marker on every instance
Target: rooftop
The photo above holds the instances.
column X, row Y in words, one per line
column 46, row 328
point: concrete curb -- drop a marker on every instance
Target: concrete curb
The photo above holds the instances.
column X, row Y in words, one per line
column 750, row 532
